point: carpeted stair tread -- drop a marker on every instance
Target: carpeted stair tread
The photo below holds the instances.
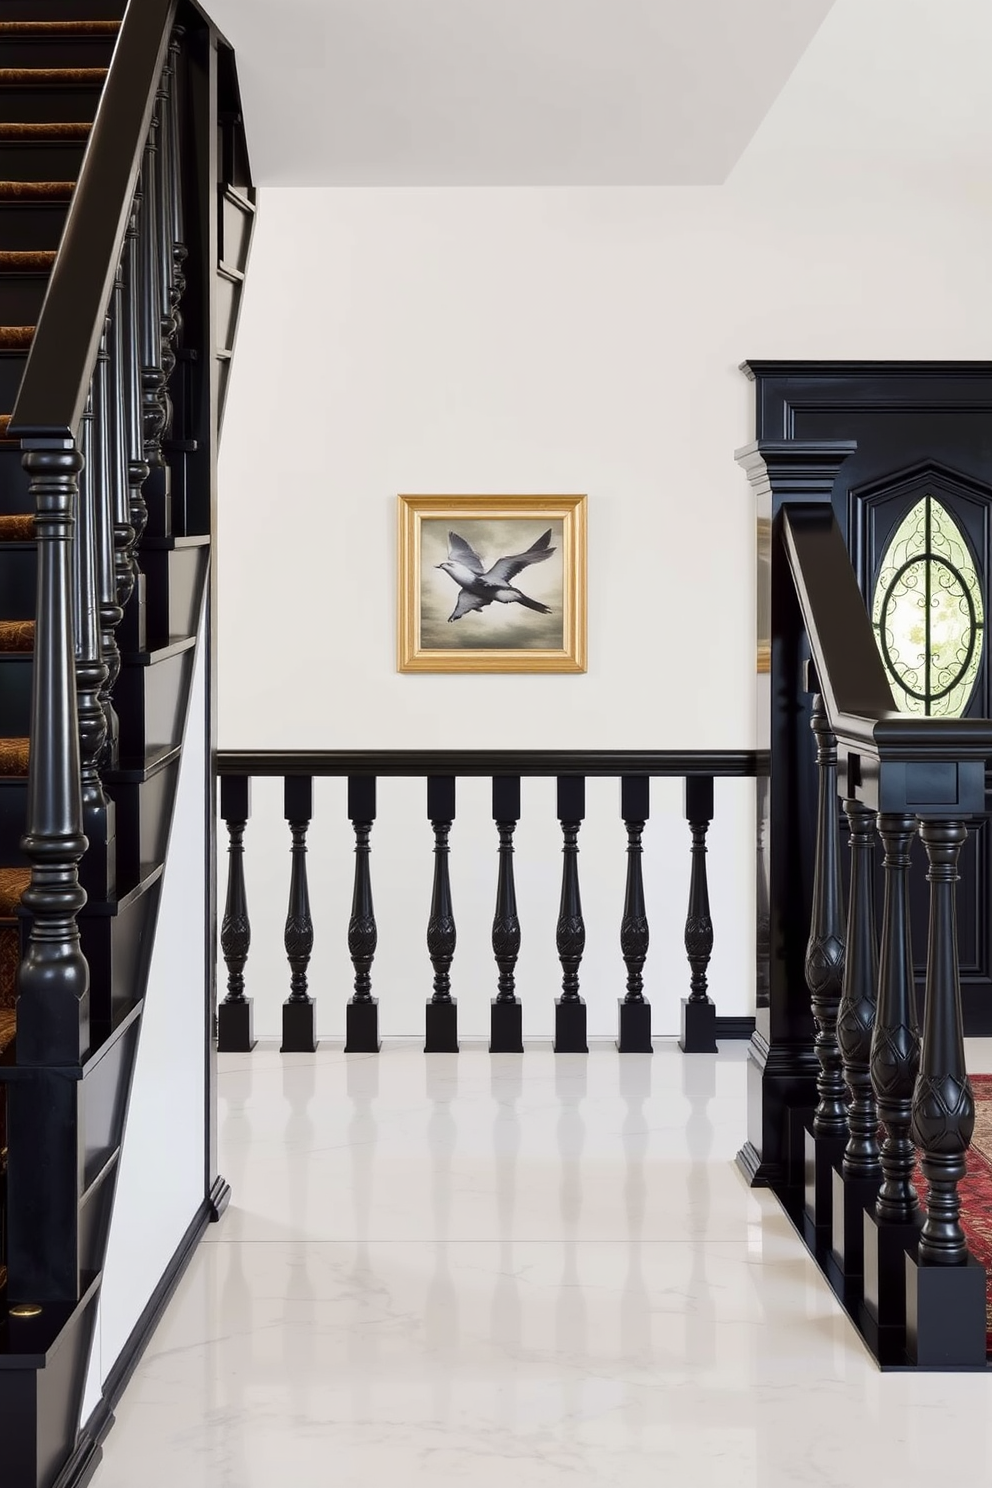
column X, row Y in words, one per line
column 16, row 338
column 20, row 261
column 13, row 882
column 8, row 1026
column 26, row 133
column 34, row 191
column 16, row 635
column 59, row 28
column 15, row 526
column 52, row 77
column 14, row 756
column 4, row 426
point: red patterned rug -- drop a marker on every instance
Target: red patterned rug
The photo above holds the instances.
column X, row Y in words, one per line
column 976, row 1189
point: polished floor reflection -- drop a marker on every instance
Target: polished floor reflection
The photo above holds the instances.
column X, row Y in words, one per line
column 526, row 1270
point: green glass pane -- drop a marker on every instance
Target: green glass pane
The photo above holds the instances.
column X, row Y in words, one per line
column 928, row 614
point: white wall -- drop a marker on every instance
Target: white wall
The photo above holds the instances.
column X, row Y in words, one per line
column 557, row 341
column 160, row 1187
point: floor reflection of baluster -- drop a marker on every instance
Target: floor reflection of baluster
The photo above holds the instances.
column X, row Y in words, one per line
column 506, row 1314
column 699, row 1088
column 363, row 1136
column 571, row 1077
column 299, row 1079
column 635, row 1302
column 362, row 1016
column 570, row 1008
column 442, row 1009
column 635, row 1010
column 506, row 1014
column 441, row 1317
column 299, row 1032
column 234, row 1015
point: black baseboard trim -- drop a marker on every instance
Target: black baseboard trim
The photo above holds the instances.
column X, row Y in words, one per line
column 84, row 1461
column 734, row 1028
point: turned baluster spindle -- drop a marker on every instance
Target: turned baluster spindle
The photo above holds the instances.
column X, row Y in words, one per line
column 298, row 1020
column 570, row 1008
column 117, row 393
column 53, row 978
column 234, row 1015
column 137, row 465
column 634, row 1010
column 442, row 1028
column 101, row 493
column 895, row 1044
column 506, row 1036
column 826, row 946
column 943, row 1104
column 175, row 231
column 856, row 1014
column 698, row 1009
column 362, row 1035
column 155, row 405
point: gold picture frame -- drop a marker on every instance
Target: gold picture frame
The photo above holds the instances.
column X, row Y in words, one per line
column 471, row 555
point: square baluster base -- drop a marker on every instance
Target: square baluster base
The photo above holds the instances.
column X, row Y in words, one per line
column 362, row 1027
column 945, row 1315
column 506, row 1021
column 698, row 1026
column 635, row 1027
column 850, row 1199
column 570, row 1027
column 442, row 1028
column 299, row 1027
column 820, row 1156
column 885, row 1249
column 234, row 1027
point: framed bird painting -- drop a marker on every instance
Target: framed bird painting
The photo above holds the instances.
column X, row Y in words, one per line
column 492, row 583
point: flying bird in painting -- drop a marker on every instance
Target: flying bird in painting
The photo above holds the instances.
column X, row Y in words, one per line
column 478, row 588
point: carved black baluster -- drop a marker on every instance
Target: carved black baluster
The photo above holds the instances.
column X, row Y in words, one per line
column 53, row 1025
column 96, row 868
column 234, row 1015
column 362, row 1018
column 698, row 1009
column 505, row 1012
column 124, row 567
column 945, row 1291
column 137, row 465
column 299, row 1034
column 101, row 492
column 635, row 1010
column 824, row 977
column 856, row 1185
column 442, row 1011
column 570, row 1008
column 154, row 391
column 895, row 1058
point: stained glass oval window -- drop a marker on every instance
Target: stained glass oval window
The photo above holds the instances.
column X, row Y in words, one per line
column 928, row 614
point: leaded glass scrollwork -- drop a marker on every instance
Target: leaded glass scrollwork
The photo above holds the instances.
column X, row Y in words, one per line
column 928, row 614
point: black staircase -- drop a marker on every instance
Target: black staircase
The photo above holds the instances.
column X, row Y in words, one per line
column 125, row 219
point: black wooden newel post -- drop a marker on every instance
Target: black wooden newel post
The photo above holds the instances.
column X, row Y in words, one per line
column 827, row 1136
column 506, row 1014
column 570, row 1008
column 53, row 1020
column 299, row 1033
column 362, row 1017
column 698, row 1009
column 635, row 1010
column 234, row 1015
column 856, row 1185
column 895, row 1056
column 945, row 1288
column 442, row 1010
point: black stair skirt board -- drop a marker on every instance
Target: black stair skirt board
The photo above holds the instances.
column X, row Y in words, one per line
column 86, row 1458
column 442, row 1028
column 506, row 1027
column 634, row 1024
column 299, row 1027
column 698, row 1026
column 570, row 1027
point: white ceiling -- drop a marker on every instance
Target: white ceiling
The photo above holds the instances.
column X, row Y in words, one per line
column 509, row 92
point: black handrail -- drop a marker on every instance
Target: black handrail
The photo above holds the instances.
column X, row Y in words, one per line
column 740, row 763
column 63, row 352
column 850, row 674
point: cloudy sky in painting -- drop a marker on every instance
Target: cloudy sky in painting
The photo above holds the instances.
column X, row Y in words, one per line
column 498, row 625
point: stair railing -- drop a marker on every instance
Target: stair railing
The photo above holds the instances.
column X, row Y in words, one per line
column 899, row 773
column 104, row 336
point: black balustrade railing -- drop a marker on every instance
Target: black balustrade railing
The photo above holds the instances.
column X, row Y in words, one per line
column 441, row 769
column 905, row 1273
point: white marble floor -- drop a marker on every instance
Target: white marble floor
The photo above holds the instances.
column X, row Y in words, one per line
column 525, row 1270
